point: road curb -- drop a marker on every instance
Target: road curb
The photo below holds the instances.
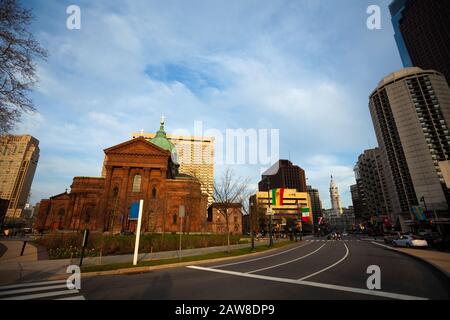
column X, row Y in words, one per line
column 432, row 264
column 134, row 270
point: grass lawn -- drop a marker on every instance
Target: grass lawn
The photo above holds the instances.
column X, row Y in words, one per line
column 215, row 255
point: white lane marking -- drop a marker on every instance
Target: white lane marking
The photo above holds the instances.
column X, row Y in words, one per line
column 10, row 292
column 382, row 245
column 73, row 298
column 42, row 295
column 31, row 284
column 287, row 262
column 329, row 267
column 260, row 258
column 383, row 294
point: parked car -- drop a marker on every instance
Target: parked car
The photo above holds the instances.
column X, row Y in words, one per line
column 331, row 236
column 389, row 238
column 437, row 241
column 410, row 241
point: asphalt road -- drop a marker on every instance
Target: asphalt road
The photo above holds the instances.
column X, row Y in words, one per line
column 314, row 269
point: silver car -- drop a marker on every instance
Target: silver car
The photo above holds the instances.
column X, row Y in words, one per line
column 409, row 241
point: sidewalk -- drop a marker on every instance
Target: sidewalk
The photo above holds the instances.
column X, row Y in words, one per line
column 13, row 249
column 440, row 260
column 20, row 270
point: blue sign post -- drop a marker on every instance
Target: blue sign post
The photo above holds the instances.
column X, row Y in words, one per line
column 134, row 211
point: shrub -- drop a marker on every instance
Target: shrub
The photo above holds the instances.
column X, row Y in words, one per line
column 66, row 245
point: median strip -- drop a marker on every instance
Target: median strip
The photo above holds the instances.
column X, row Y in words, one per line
column 174, row 262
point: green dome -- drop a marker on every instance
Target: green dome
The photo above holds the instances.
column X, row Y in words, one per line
column 161, row 141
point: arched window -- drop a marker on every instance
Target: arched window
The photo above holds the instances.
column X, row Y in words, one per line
column 115, row 192
column 174, row 219
column 137, row 183
column 154, row 193
column 61, row 213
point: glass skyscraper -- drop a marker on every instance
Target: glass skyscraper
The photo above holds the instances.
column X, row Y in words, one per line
column 422, row 33
column 396, row 8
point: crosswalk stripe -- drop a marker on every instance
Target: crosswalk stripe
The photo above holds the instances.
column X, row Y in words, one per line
column 30, row 284
column 42, row 295
column 347, row 240
column 73, row 298
column 10, row 292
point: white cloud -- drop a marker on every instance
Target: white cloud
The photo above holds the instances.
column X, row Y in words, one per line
column 320, row 167
column 272, row 64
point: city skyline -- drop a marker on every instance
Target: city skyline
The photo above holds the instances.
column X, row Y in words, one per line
column 99, row 86
column 235, row 151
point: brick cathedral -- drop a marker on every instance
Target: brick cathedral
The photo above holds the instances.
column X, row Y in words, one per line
column 135, row 169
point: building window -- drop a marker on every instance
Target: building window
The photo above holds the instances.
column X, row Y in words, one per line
column 154, row 193
column 115, row 192
column 137, row 183
column 174, row 219
column 61, row 213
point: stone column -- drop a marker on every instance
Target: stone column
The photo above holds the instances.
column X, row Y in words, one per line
column 123, row 195
column 101, row 210
column 81, row 207
column 145, row 181
column 71, row 209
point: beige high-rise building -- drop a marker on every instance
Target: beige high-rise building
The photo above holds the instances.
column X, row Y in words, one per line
column 410, row 110
column 196, row 158
column 19, row 156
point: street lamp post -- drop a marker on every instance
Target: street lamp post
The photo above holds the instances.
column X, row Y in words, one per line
column 252, row 231
column 434, row 211
column 435, row 215
column 425, row 204
column 270, row 216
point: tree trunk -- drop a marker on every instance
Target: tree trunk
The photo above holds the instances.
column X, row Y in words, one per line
column 228, row 229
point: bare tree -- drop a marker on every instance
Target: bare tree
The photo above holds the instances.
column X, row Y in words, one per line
column 18, row 48
column 228, row 191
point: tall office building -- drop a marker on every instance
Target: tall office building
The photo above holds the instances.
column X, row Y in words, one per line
column 371, row 185
column 335, row 197
column 283, row 174
column 18, row 161
column 316, row 204
column 196, row 158
column 422, row 33
column 358, row 208
column 410, row 110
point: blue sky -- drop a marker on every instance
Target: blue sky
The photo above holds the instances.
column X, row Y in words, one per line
column 305, row 67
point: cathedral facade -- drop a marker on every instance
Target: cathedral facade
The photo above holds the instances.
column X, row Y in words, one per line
column 135, row 169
